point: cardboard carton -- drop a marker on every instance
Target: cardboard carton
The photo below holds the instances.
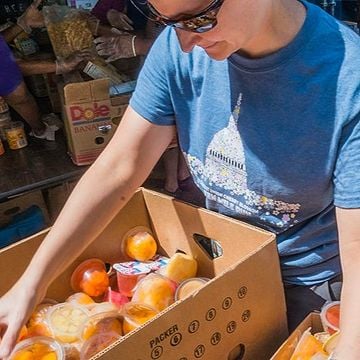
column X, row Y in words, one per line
column 88, row 121
column 119, row 105
column 18, row 204
column 242, row 306
column 312, row 321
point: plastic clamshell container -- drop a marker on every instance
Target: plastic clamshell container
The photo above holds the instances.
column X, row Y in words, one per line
column 136, row 314
column 106, row 322
column 97, row 343
column 330, row 316
column 90, row 277
column 66, row 321
column 38, row 348
column 189, row 286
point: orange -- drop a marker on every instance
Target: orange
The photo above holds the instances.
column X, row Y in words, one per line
column 141, row 246
column 95, row 284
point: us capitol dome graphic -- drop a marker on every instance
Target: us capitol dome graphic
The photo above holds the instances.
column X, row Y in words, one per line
column 225, row 159
column 225, row 169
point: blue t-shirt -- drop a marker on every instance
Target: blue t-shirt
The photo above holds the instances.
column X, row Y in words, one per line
column 272, row 141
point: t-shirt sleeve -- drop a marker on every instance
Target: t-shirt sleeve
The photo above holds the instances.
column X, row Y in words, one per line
column 347, row 169
column 151, row 98
column 10, row 74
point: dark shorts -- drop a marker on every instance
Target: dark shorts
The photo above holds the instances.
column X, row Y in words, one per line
column 302, row 300
column 10, row 74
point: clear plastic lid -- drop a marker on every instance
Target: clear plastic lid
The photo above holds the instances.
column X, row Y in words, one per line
column 139, row 244
column 66, row 321
column 102, row 323
column 90, row 277
column 189, row 286
column 330, row 316
column 13, row 125
column 38, row 348
column 156, row 291
column 136, row 314
column 97, row 343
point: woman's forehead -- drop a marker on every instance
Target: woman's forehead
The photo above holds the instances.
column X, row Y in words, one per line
column 177, row 8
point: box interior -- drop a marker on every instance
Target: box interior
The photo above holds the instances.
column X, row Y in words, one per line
column 244, row 294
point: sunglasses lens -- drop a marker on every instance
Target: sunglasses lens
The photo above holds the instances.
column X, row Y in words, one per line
column 199, row 24
column 193, row 27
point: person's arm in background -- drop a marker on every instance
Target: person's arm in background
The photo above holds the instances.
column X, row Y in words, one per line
column 30, row 19
column 121, row 169
column 348, row 221
column 34, row 67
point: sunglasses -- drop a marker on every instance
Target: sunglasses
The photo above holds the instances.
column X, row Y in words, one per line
column 199, row 23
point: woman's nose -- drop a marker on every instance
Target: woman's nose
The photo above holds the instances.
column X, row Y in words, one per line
column 187, row 39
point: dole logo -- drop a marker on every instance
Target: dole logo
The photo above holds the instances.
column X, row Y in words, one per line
column 78, row 112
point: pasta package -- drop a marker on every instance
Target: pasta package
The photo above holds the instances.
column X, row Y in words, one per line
column 68, row 29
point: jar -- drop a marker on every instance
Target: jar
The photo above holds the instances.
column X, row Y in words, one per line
column 15, row 135
column 3, row 105
column 5, row 121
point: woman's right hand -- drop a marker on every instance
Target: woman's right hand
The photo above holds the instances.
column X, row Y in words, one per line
column 16, row 307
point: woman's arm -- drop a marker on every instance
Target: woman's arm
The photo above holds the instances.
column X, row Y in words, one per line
column 348, row 221
column 101, row 193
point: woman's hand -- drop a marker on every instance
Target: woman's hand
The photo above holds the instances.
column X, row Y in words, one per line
column 16, row 307
column 32, row 17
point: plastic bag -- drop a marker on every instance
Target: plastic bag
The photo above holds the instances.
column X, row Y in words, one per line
column 68, row 29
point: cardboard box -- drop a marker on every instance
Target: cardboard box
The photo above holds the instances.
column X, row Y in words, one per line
column 88, row 121
column 51, row 85
column 18, row 204
column 56, row 196
column 288, row 347
column 119, row 105
column 242, row 306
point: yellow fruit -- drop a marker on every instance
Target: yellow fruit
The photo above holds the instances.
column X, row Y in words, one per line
column 66, row 321
column 180, row 267
column 307, row 347
column 331, row 343
column 24, row 355
column 36, row 351
column 141, row 246
column 49, row 356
